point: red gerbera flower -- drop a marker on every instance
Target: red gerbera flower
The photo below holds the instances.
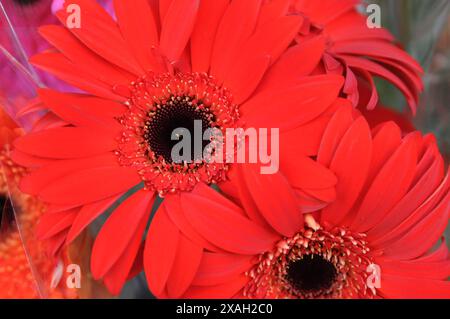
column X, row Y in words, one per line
column 357, row 51
column 25, row 270
column 392, row 207
column 162, row 66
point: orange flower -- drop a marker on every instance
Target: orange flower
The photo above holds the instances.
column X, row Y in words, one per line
column 25, row 270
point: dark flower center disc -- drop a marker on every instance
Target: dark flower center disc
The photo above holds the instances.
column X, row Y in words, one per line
column 177, row 113
column 310, row 274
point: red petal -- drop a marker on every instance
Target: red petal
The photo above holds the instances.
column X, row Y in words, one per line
column 226, row 228
column 352, row 25
column 271, row 10
column 202, row 40
column 55, row 243
column 88, row 214
column 101, row 34
column 216, row 269
column 61, row 67
column 305, row 173
column 138, row 264
column 52, row 224
column 118, row 274
column 386, row 139
column 40, row 178
column 298, row 61
column 421, row 238
column 373, row 100
column 394, row 233
column 415, row 269
column 184, row 267
column 237, row 25
column 84, row 110
column 389, row 186
column 384, row 73
column 291, row 107
column 263, row 47
column 51, row 208
column 273, row 37
column 325, row 13
column 48, row 121
column 138, row 27
column 413, row 288
column 309, row 203
column 90, row 185
column 293, row 143
column 275, row 200
column 120, row 231
column 28, row 160
column 336, row 129
column 224, row 291
column 439, row 254
column 243, row 79
column 244, row 197
column 177, row 27
column 160, row 251
column 172, row 204
column 418, row 194
column 84, row 58
column 377, row 49
column 351, row 165
column 164, row 6
column 204, row 190
column 66, row 142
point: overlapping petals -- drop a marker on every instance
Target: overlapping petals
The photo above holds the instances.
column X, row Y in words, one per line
column 349, row 194
column 392, row 198
column 74, row 151
column 358, row 51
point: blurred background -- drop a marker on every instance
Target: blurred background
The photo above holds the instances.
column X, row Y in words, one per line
column 423, row 29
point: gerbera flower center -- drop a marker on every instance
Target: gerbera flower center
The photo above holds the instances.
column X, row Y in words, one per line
column 179, row 112
column 159, row 105
column 311, row 273
column 313, row 264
